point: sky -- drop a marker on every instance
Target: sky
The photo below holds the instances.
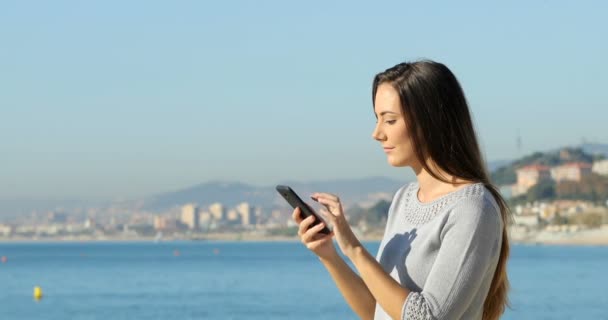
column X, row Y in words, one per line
column 122, row 99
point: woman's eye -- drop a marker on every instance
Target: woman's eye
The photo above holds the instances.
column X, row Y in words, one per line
column 391, row 121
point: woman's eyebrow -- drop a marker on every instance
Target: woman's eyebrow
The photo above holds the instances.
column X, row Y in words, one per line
column 385, row 112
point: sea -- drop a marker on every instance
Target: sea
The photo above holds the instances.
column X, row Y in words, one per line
column 253, row 280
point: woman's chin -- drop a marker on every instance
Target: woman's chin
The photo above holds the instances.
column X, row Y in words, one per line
column 396, row 162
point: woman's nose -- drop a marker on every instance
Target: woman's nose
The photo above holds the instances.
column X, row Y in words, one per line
column 377, row 134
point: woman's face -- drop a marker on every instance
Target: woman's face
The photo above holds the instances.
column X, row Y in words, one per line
column 390, row 128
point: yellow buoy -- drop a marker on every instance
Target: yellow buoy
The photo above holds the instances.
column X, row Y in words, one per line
column 37, row 293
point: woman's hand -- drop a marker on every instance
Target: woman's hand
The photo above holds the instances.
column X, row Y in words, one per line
column 319, row 243
column 347, row 241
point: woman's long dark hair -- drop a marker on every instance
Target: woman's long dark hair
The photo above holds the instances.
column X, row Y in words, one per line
column 439, row 122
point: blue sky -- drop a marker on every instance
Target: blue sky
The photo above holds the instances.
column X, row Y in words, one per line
column 114, row 99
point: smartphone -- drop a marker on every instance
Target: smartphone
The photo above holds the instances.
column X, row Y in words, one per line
column 296, row 202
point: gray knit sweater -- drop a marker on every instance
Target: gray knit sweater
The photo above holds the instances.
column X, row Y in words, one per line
column 445, row 251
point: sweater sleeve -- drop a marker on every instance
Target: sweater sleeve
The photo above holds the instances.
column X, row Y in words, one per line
column 470, row 245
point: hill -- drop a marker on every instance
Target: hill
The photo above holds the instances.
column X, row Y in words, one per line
column 352, row 192
column 505, row 175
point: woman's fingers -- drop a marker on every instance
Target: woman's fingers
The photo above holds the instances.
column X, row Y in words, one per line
column 333, row 208
column 324, row 195
column 296, row 215
column 304, row 224
column 318, row 240
column 327, row 200
column 327, row 214
column 309, row 235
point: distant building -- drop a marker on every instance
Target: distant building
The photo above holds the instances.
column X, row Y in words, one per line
column 190, row 216
column 89, row 223
column 233, row 217
column 565, row 155
column 247, row 214
column 529, row 220
column 57, row 217
column 205, row 217
column 161, row 223
column 600, row 167
column 218, row 211
column 529, row 176
column 165, row 224
column 6, row 230
column 573, row 171
column 258, row 214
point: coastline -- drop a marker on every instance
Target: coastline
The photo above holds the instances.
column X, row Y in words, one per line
column 587, row 237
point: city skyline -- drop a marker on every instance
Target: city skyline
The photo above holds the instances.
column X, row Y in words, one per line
column 100, row 103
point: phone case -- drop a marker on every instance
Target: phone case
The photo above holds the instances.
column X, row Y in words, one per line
column 295, row 201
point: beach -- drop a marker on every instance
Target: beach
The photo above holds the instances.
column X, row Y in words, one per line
column 566, row 235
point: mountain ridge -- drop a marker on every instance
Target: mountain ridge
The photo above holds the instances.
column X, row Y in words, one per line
column 352, row 191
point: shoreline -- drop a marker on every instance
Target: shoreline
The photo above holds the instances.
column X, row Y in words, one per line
column 584, row 237
column 587, row 238
column 517, row 235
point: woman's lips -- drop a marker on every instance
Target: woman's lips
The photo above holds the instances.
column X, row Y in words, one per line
column 388, row 149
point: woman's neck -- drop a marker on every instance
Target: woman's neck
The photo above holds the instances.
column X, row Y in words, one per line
column 431, row 188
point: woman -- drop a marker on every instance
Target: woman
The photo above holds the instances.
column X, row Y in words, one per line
column 445, row 247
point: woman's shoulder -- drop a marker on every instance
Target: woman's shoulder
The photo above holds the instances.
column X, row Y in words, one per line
column 477, row 206
column 479, row 196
